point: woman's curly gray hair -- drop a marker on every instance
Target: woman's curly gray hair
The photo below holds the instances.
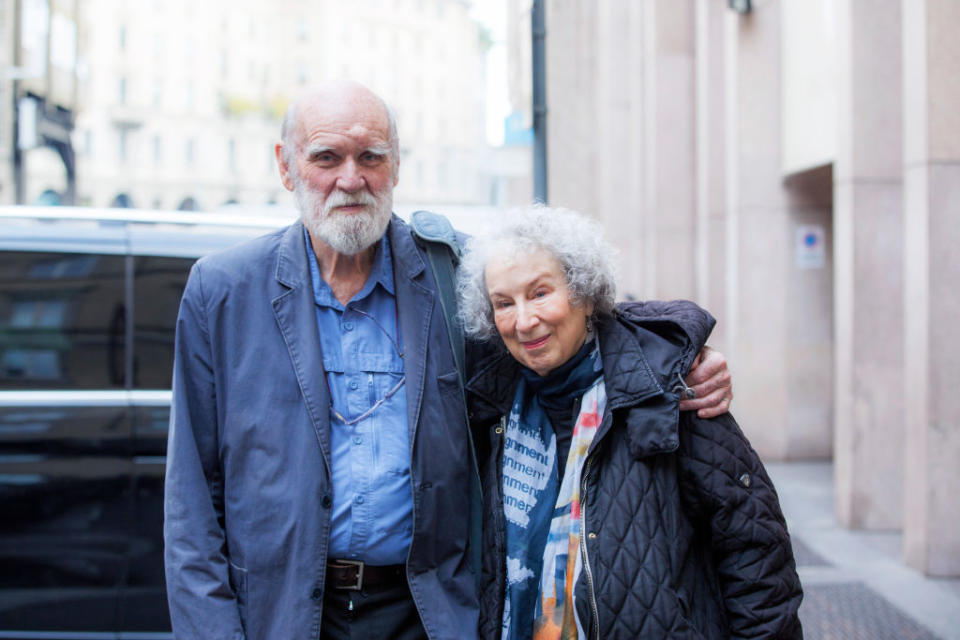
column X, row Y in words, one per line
column 573, row 239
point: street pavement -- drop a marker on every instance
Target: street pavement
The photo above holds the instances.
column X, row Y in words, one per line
column 856, row 584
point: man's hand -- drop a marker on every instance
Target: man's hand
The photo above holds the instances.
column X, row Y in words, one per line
column 710, row 379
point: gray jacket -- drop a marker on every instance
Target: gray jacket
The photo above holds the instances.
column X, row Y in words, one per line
column 248, row 491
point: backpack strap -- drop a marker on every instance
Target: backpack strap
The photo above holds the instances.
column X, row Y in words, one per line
column 435, row 235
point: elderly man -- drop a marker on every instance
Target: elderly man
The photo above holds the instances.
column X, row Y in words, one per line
column 317, row 469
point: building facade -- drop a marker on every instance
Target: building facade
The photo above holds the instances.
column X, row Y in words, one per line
column 179, row 103
column 6, row 101
column 38, row 97
column 794, row 169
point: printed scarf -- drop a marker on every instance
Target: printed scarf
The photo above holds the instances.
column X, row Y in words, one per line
column 543, row 515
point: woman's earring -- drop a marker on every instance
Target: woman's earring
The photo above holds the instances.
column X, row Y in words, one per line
column 589, row 324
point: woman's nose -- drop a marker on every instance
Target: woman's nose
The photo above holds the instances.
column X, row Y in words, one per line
column 526, row 318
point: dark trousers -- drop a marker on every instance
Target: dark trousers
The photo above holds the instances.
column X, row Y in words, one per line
column 387, row 613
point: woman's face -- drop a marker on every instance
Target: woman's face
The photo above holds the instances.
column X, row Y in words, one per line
column 532, row 309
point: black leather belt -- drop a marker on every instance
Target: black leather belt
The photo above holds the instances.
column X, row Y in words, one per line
column 351, row 575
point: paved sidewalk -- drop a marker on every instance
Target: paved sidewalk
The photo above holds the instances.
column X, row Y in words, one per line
column 856, row 585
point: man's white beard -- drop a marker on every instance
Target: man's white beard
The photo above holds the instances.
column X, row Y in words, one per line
column 346, row 233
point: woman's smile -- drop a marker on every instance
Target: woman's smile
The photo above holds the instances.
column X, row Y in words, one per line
column 536, row 343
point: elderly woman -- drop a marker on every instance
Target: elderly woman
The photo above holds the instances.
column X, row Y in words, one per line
column 609, row 513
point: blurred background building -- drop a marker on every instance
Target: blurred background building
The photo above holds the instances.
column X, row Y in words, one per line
column 177, row 105
column 795, row 167
column 39, row 94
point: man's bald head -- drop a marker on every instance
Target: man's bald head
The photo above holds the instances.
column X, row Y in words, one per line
column 342, row 99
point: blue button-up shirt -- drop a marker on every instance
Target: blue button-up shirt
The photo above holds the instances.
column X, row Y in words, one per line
column 372, row 499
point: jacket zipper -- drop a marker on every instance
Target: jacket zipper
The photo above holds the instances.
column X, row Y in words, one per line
column 583, row 548
column 500, row 520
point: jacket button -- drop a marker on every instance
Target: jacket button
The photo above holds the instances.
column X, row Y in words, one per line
column 592, row 535
column 326, row 502
column 745, row 479
column 498, row 430
column 317, row 594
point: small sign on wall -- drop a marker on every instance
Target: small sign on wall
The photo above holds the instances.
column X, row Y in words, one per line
column 811, row 247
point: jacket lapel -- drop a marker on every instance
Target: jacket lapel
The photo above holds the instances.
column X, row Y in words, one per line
column 415, row 308
column 297, row 320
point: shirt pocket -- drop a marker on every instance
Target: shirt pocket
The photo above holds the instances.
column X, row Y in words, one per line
column 389, row 426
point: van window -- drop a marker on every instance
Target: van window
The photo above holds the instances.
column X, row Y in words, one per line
column 158, row 287
column 62, row 321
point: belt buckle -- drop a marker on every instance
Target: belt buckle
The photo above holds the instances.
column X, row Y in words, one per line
column 359, row 584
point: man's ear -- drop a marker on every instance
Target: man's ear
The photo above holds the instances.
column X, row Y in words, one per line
column 283, row 166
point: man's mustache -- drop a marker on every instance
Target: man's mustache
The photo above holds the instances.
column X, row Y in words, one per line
column 343, row 199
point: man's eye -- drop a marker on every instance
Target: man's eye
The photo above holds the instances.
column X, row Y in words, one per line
column 371, row 158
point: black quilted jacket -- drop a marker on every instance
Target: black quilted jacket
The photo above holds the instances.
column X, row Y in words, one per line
column 684, row 533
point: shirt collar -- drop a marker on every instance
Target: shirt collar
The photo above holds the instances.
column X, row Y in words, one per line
column 381, row 273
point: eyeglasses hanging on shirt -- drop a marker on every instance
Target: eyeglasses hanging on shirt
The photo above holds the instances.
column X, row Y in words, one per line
column 389, row 394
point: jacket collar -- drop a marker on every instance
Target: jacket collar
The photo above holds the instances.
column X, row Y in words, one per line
column 292, row 267
column 407, row 261
column 381, row 273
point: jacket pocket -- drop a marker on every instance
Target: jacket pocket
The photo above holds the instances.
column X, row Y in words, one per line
column 449, row 383
column 238, row 582
column 684, row 624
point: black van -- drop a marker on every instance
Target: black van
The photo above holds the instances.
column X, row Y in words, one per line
column 88, row 305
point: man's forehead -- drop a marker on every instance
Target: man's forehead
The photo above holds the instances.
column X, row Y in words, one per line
column 356, row 133
column 355, row 119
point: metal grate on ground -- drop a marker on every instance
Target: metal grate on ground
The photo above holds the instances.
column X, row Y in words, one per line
column 851, row 611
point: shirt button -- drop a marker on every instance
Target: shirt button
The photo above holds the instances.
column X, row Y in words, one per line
column 348, row 326
column 358, row 499
column 354, row 385
column 357, row 440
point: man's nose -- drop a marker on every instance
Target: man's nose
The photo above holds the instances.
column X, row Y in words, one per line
column 350, row 178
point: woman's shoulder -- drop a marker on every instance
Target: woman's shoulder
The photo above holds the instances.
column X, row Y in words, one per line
column 691, row 317
column 664, row 335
